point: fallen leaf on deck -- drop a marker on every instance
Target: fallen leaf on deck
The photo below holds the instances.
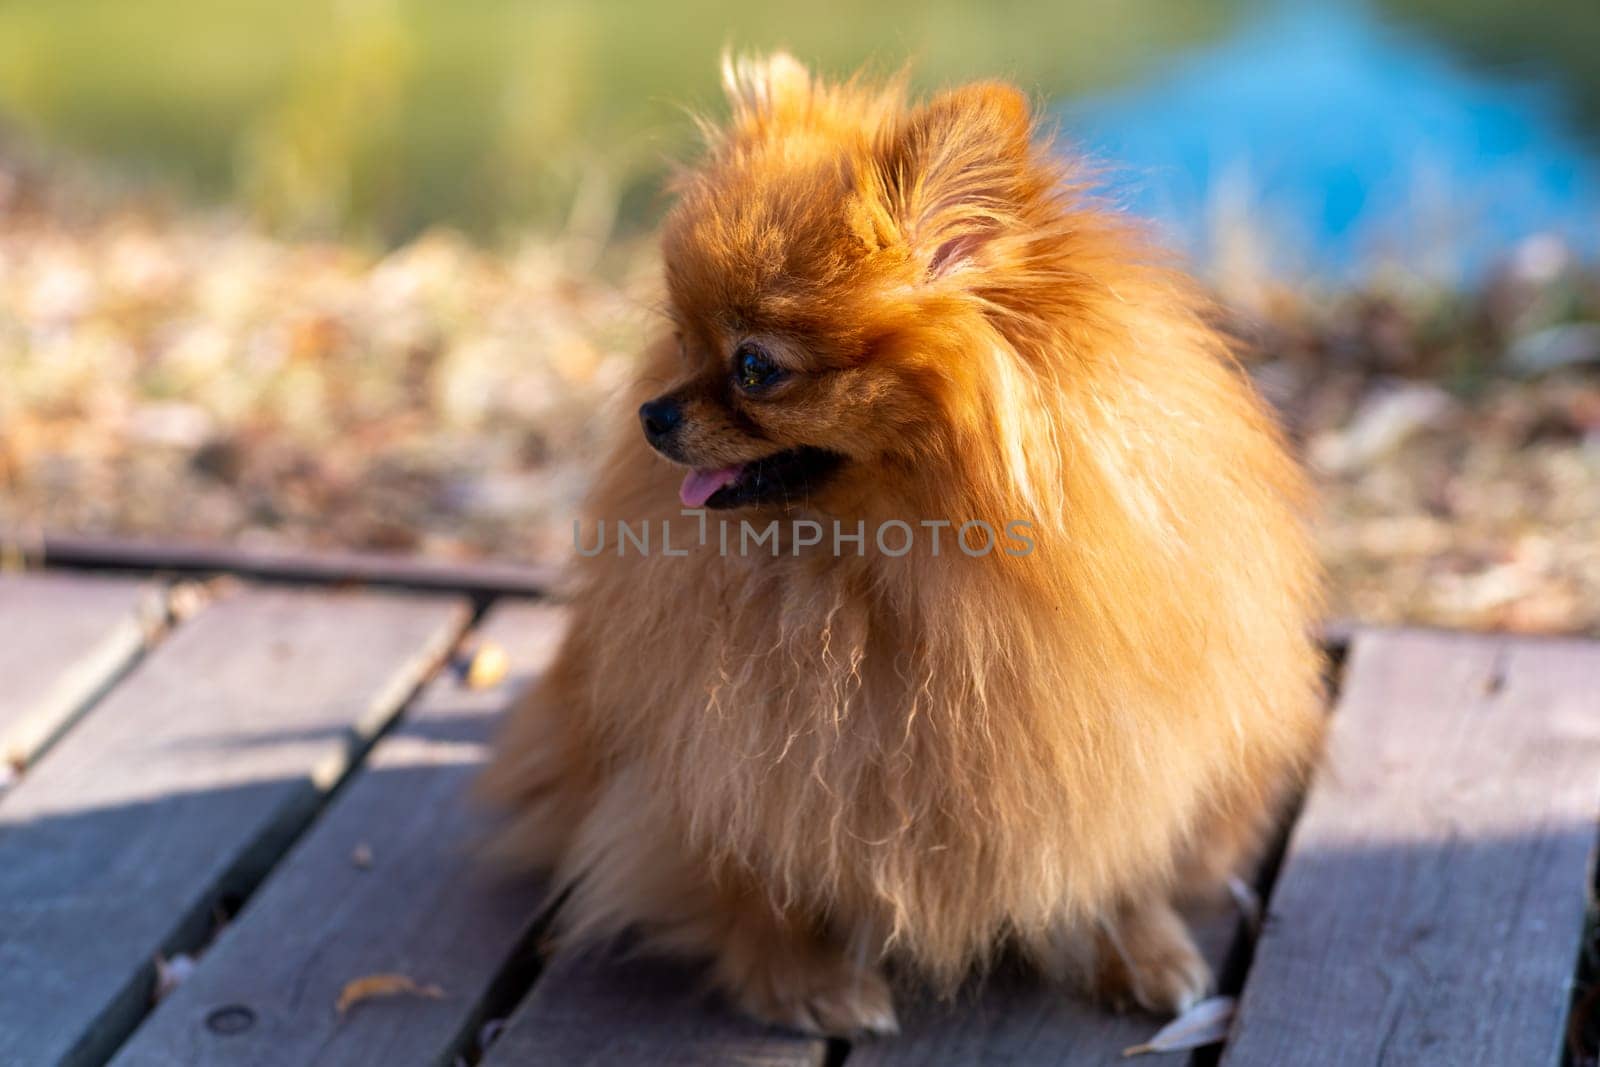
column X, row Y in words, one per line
column 171, row 973
column 1204, row 1024
column 384, row 985
column 185, row 599
column 488, row 666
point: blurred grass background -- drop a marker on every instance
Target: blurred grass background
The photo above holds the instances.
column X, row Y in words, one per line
column 377, row 118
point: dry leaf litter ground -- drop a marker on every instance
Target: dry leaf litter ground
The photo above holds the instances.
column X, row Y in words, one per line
column 173, row 375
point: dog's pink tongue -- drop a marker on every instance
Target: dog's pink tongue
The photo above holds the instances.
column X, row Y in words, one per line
column 698, row 486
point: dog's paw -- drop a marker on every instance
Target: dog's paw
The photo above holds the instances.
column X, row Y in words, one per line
column 1168, row 985
column 1145, row 958
column 835, row 999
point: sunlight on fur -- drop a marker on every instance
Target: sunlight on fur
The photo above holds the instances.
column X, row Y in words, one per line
column 803, row 767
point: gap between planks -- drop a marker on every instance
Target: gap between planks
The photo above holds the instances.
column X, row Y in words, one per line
column 65, row 641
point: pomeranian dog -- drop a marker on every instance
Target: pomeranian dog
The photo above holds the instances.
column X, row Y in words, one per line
column 857, row 746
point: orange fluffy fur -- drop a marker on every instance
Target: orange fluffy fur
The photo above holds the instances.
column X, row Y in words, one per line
column 801, row 767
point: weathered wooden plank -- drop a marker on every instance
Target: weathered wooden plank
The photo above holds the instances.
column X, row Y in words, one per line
column 1016, row 1017
column 1431, row 902
column 184, row 784
column 63, row 639
column 605, row 1008
column 384, row 883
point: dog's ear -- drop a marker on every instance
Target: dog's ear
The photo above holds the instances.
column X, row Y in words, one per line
column 764, row 89
column 955, row 175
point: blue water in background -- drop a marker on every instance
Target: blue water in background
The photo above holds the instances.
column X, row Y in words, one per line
column 1346, row 143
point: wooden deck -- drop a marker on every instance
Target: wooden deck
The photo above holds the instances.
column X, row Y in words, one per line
column 269, row 781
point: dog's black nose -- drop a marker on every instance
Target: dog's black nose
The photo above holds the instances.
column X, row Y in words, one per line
column 659, row 418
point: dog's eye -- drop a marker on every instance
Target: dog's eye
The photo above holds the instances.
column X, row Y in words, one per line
column 752, row 368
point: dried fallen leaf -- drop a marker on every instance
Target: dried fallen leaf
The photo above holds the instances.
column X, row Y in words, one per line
column 383, row 985
column 488, row 666
column 361, row 856
column 170, row 973
column 1204, row 1024
column 185, row 599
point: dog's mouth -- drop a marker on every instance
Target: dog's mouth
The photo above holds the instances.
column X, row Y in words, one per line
column 782, row 477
